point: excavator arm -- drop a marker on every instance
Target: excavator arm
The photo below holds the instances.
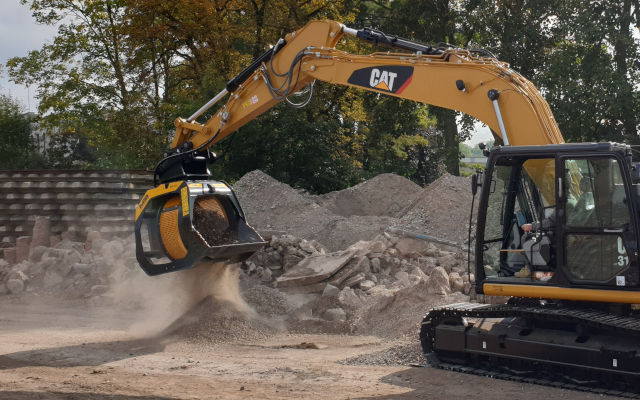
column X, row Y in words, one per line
column 454, row 79
column 189, row 217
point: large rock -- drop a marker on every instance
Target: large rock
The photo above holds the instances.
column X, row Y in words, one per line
column 456, row 282
column 410, row 247
column 367, row 285
column 41, row 232
column 438, row 282
column 22, row 248
column 10, row 255
column 314, row 269
column 330, row 291
column 15, row 286
column 375, row 265
column 349, row 298
column 355, row 266
column 403, row 278
column 92, row 236
column 36, row 253
column 355, row 279
column 290, row 260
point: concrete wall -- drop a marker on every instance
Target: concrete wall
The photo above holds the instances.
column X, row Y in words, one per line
column 72, row 199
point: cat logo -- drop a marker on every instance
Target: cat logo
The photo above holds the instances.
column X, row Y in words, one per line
column 390, row 78
column 382, row 80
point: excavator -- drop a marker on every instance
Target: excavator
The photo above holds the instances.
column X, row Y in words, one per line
column 557, row 224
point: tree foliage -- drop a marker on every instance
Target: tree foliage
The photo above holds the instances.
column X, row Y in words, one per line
column 16, row 142
column 119, row 72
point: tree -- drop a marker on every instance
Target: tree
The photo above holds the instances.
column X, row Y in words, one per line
column 17, row 150
column 87, row 78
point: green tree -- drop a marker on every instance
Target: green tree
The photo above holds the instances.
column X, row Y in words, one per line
column 17, row 150
column 87, row 78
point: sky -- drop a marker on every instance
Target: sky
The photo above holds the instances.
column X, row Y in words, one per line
column 20, row 34
column 24, row 35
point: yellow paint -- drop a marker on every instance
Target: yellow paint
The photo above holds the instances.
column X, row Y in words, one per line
column 170, row 235
column 155, row 192
column 184, row 194
column 560, row 293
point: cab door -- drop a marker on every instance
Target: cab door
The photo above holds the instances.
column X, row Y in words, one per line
column 596, row 233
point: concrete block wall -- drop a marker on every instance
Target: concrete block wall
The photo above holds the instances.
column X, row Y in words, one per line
column 73, row 200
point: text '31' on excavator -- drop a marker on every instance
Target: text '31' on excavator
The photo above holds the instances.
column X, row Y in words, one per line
column 557, row 225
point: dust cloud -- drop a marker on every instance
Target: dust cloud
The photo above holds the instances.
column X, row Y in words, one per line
column 159, row 301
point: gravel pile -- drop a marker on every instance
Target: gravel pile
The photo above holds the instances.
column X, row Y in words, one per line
column 271, row 205
column 441, row 210
column 386, row 195
column 401, row 355
column 219, row 321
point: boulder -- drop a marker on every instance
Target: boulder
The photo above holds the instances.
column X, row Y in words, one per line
column 307, row 246
column 349, row 298
column 438, row 282
column 355, row 266
column 3, row 289
column 290, row 260
column 91, row 237
column 266, row 275
column 403, row 278
column 375, row 265
column 377, row 246
column 15, row 286
column 22, row 248
column 3, row 264
column 455, row 282
column 9, row 255
column 413, row 248
column 448, row 261
column 36, row 253
column 314, row 269
column 54, row 240
column 41, row 232
column 330, row 291
column 84, row 269
column 355, row 279
column 18, row 274
column 335, row 314
column 367, row 285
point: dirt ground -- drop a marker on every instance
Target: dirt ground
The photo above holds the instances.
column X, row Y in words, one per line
column 75, row 351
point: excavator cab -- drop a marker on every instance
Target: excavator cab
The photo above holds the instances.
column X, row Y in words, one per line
column 556, row 217
column 188, row 217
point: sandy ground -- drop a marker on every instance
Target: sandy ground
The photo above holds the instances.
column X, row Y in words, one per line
column 81, row 352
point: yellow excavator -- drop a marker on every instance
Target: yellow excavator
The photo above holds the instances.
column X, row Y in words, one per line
column 557, row 224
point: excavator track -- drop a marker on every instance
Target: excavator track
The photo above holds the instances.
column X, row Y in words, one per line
column 508, row 342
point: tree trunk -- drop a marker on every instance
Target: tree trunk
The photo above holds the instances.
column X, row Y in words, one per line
column 447, row 124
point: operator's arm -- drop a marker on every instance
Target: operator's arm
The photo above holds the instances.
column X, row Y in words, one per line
column 456, row 79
